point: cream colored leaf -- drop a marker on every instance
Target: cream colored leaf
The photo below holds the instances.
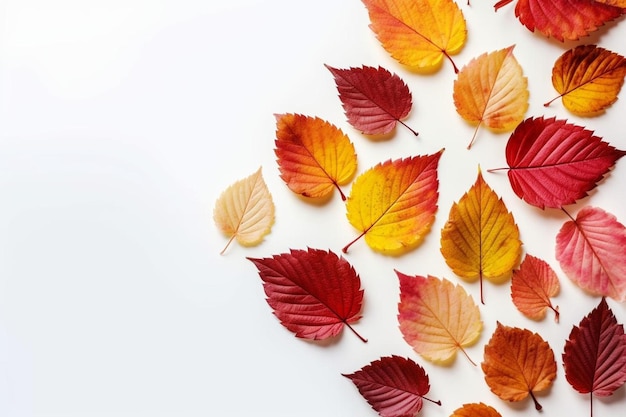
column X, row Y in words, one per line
column 245, row 211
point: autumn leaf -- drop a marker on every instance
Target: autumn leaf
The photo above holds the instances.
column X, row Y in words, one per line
column 373, row 98
column 437, row 318
column 245, row 211
column 518, row 363
column 418, row 33
column 314, row 156
column 493, row 91
column 553, row 163
column 480, row 239
column 475, row 410
column 314, row 293
column 532, row 285
column 394, row 386
column 591, row 252
column 594, row 357
column 564, row 19
column 588, row 79
column 393, row 204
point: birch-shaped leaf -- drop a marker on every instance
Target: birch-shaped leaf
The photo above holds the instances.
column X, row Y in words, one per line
column 594, row 357
column 518, row 363
column 565, row 19
column 553, row 163
column 480, row 239
column 475, row 410
column 588, row 79
column 592, row 252
column 491, row 90
column 437, row 318
column 374, row 99
column 418, row 33
column 314, row 293
column 245, row 211
column 393, row 204
column 532, row 285
column 314, row 156
column 394, row 386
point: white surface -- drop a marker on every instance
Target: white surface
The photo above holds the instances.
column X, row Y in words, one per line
column 121, row 121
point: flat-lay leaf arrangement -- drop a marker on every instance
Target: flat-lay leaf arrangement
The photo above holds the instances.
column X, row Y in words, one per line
column 550, row 163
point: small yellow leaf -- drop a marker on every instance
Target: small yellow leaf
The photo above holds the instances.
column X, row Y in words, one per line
column 480, row 239
column 245, row 211
column 493, row 91
column 588, row 79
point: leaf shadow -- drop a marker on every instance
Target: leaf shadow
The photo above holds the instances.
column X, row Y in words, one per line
column 319, row 202
column 381, row 138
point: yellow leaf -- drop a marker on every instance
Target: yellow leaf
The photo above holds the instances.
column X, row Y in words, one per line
column 493, row 91
column 588, row 79
column 437, row 318
column 245, row 211
column 393, row 204
column 418, row 33
column 314, row 156
column 480, row 239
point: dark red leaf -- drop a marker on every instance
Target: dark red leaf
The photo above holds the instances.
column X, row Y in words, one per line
column 553, row 163
column 314, row 293
column 393, row 386
column 594, row 357
column 373, row 98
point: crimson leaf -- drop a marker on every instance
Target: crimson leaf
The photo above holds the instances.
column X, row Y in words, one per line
column 394, row 386
column 314, row 293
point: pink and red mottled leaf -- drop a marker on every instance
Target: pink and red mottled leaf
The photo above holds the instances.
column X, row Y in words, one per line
column 532, row 285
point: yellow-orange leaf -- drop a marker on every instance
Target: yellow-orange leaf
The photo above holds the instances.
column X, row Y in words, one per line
column 480, row 239
column 493, row 91
column 588, row 79
column 393, row 204
column 437, row 318
column 418, row 33
column 245, row 211
column 517, row 363
column 475, row 410
column 314, row 156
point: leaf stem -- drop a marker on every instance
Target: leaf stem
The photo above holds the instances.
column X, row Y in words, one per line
column 498, row 169
column 438, row 402
column 227, row 244
column 343, row 196
column 456, row 70
column 538, row 406
column 557, row 314
column 546, row 104
column 345, row 248
column 364, row 340
column 501, row 3
column 408, row 127
column 591, row 404
column 473, row 136
column 467, row 356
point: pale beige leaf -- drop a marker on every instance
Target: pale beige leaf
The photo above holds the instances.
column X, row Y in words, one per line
column 245, row 211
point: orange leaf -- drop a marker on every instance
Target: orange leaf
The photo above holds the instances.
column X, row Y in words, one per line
column 437, row 318
column 475, row 410
column 245, row 211
column 418, row 33
column 588, row 79
column 532, row 286
column 393, row 204
column 480, row 239
column 518, row 363
column 493, row 91
column 314, row 156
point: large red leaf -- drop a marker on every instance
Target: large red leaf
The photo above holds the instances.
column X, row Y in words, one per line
column 591, row 251
column 563, row 19
column 553, row 163
column 374, row 99
column 393, row 386
column 314, row 293
column 594, row 357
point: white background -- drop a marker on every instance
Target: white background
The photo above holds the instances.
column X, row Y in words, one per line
column 121, row 121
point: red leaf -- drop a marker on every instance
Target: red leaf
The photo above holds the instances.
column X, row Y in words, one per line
column 373, row 98
column 590, row 250
column 563, row 19
column 313, row 293
column 393, row 386
column 594, row 356
column 553, row 163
